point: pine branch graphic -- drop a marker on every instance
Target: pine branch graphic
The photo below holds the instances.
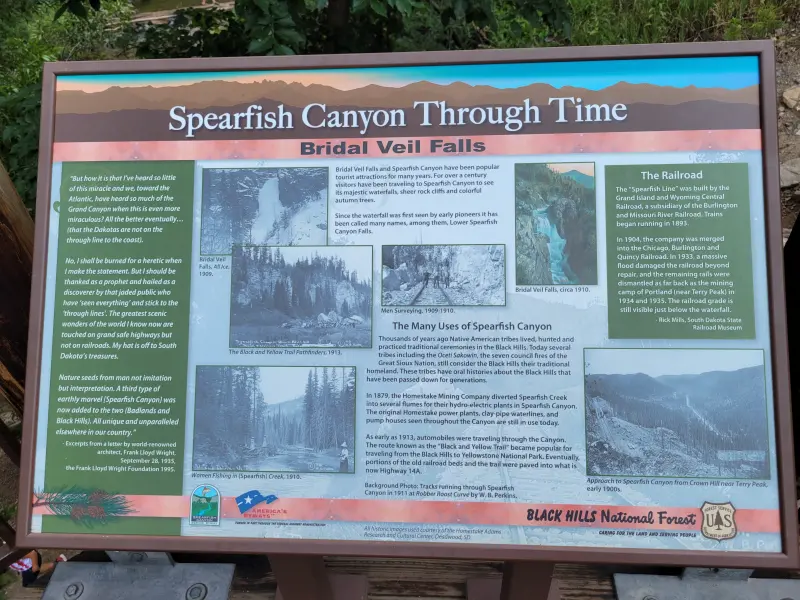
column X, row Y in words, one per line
column 85, row 506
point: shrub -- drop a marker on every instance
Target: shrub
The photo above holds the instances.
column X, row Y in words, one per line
column 30, row 36
column 600, row 22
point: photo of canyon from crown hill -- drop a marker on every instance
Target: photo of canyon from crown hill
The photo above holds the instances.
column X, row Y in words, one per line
column 96, row 112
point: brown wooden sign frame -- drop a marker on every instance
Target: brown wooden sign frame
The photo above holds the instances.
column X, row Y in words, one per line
column 788, row 559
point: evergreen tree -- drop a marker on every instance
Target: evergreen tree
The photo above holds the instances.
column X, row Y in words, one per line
column 228, row 416
column 265, row 281
column 347, row 403
column 334, row 416
column 322, row 410
column 312, row 440
column 309, row 406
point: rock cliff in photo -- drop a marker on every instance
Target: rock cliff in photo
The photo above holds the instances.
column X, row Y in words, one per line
column 556, row 225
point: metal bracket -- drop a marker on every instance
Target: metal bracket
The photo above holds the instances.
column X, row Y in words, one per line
column 141, row 558
column 717, row 574
column 136, row 575
column 705, row 584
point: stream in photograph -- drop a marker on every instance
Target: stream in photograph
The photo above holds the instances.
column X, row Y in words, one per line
column 559, row 268
column 295, row 459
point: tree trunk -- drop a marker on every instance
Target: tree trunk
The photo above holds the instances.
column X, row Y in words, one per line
column 16, row 257
column 338, row 18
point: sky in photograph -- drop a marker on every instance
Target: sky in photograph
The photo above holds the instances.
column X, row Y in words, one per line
column 281, row 384
column 668, row 362
column 585, row 168
column 357, row 258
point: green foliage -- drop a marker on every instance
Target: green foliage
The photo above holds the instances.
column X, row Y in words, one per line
column 8, row 512
column 271, row 25
column 30, row 35
column 432, row 27
column 77, row 7
column 19, row 139
column 760, row 23
column 466, row 25
column 376, row 32
column 191, row 33
column 599, row 22
column 381, row 7
column 512, row 30
column 281, row 27
column 255, row 27
column 275, row 27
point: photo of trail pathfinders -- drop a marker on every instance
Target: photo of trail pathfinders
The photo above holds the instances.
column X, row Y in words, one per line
column 278, row 207
column 301, row 297
column 676, row 413
column 289, row 419
column 468, row 275
column 556, row 224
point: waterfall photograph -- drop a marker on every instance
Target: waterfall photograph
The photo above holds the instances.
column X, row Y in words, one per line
column 288, row 419
column 275, row 207
column 556, row 224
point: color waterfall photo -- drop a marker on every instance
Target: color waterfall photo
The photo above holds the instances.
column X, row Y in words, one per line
column 556, row 224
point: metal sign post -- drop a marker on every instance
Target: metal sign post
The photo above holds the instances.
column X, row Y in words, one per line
column 306, row 577
column 520, row 581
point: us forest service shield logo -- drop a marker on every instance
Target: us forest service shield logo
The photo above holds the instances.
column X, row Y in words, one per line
column 719, row 521
column 205, row 506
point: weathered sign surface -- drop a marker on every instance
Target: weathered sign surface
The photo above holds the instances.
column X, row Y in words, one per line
column 479, row 304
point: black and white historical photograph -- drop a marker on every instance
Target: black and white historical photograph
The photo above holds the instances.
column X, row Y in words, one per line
column 296, row 419
column 433, row 275
column 676, row 413
column 279, row 207
column 295, row 296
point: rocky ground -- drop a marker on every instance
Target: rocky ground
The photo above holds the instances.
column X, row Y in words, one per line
column 788, row 76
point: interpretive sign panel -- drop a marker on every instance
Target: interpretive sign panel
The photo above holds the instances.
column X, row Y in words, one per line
column 484, row 304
